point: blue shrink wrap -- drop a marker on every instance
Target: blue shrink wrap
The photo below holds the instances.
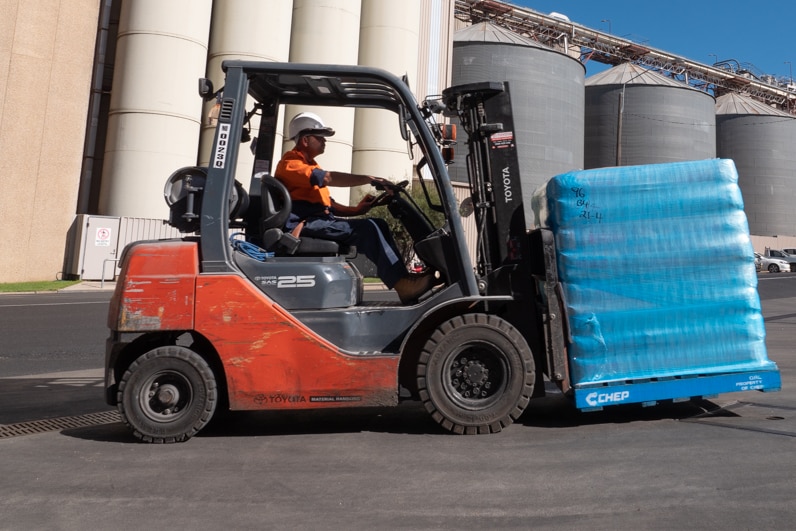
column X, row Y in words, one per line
column 657, row 270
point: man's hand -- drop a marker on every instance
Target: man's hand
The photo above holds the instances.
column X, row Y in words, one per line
column 380, row 183
column 366, row 203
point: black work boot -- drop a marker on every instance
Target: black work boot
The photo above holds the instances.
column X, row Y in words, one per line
column 411, row 287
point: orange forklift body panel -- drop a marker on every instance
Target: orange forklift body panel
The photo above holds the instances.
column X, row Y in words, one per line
column 272, row 361
column 157, row 291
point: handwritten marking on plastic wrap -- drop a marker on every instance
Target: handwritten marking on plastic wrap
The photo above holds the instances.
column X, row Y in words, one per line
column 589, row 212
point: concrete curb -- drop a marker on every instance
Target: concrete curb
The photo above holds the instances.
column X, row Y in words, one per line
column 89, row 286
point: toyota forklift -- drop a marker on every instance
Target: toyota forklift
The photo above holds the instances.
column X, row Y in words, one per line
column 240, row 314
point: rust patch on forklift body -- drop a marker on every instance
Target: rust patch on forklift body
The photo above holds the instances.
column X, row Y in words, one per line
column 240, row 362
column 158, row 288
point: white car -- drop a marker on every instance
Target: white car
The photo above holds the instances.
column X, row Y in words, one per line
column 771, row 264
column 775, row 253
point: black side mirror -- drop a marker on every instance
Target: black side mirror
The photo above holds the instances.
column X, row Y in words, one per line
column 206, row 89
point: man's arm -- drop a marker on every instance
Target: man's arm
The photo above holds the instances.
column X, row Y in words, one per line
column 363, row 207
column 342, row 179
column 346, row 180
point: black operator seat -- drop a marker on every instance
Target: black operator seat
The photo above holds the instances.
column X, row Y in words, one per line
column 276, row 205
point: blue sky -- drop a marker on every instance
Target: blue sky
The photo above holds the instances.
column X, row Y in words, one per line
column 760, row 33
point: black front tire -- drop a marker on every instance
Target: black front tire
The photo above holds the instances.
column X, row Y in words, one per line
column 167, row 395
column 773, row 268
column 475, row 374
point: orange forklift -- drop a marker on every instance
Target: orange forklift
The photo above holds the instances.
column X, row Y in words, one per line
column 276, row 321
column 197, row 323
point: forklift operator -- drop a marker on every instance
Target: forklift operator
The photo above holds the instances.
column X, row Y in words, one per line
column 313, row 206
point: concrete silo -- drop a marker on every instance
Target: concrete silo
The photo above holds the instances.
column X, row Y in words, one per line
column 237, row 32
column 637, row 116
column 762, row 142
column 388, row 39
column 546, row 93
column 152, row 127
column 327, row 32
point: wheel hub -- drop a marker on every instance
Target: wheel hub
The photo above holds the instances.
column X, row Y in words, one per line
column 475, row 373
column 470, row 378
column 164, row 398
column 167, row 395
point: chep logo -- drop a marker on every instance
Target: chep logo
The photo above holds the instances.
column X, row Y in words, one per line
column 603, row 399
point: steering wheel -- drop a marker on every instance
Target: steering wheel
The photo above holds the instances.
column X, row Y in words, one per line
column 388, row 190
column 404, row 209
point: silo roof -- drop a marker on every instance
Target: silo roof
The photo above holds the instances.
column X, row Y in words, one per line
column 633, row 74
column 733, row 103
column 488, row 32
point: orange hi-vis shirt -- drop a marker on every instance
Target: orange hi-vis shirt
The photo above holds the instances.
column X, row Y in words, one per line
column 302, row 178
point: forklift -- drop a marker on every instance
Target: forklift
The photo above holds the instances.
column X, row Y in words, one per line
column 271, row 320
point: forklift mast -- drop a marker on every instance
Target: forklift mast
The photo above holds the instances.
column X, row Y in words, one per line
column 506, row 255
column 484, row 112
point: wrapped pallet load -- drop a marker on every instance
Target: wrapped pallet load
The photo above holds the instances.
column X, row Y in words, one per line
column 657, row 273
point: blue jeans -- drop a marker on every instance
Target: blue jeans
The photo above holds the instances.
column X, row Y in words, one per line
column 371, row 237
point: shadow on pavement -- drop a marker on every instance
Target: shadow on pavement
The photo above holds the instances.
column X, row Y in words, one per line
column 74, row 405
column 408, row 418
column 556, row 411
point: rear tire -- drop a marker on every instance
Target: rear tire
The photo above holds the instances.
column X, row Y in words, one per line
column 475, row 374
column 773, row 268
column 167, row 395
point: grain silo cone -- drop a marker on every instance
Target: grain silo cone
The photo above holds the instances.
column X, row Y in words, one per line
column 546, row 94
column 762, row 142
column 637, row 116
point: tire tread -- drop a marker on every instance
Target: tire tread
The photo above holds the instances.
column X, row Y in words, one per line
column 509, row 332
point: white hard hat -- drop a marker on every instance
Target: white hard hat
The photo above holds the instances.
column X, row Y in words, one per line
column 307, row 123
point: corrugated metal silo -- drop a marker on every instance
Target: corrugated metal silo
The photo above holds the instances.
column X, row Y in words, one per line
column 637, row 116
column 546, row 93
column 762, row 142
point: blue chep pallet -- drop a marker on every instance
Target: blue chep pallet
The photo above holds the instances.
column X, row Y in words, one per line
column 658, row 280
column 595, row 397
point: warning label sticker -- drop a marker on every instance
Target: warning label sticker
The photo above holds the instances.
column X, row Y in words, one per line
column 103, row 237
column 502, row 140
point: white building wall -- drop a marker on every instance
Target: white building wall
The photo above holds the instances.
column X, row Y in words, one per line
column 435, row 47
column 46, row 55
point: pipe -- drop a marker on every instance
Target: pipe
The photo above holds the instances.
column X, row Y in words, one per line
column 95, row 99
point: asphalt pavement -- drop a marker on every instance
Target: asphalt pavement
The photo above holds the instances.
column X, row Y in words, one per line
column 67, row 462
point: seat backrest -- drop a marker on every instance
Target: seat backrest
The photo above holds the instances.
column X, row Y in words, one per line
column 276, row 203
